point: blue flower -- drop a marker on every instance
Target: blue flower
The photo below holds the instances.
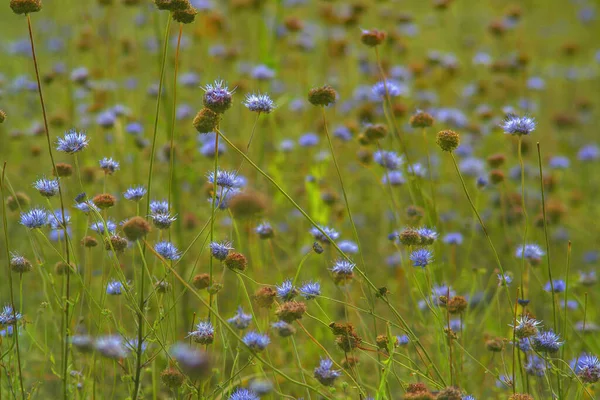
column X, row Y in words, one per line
column 514, row 125
column 308, row 140
column 559, row 162
column 34, row 218
column 204, row 333
column 162, row 220
column 388, row 159
column 428, row 235
column 109, row 166
column 99, row 227
column 394, row 89
column 264, row 230
column 587, row 368
column 256, row 341
column 243, row 394
column 310, row 290
column 504, row 280
column 135, row 193
column 72, row 142
column 159, row 207
column 536, row 366
column 348, row 246
column 402, row 340
column 9, row 316
column 167, row 250
column 86, row 207
column 590, row 152
column 559, row 286
column 531, row 252
column 56, row 221
column 106, row 119
column 134, row 128
column 343, row 267
column 46, row 187
column 111, row 347
column 318, row 235
column 260, row 103
column 343, row 133
column 225, row 179
column 286, row 290
column 240, row 320
column 394, row 178
column 217, row 96
column 114, row 288
column 192, row 361
column 324, row 374
column 220, row 250
column 421, row 258
column 546, row 342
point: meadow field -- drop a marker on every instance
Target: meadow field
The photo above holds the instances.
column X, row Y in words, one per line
column 299, row 199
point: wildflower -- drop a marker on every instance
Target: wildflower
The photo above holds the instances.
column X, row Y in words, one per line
column 310, row 290
column 99, row 227
column 394, row 89
column 324, row 374
column 72, row 142
column 559, row 162
column 225, row 179
column 243, row 394
column 256, row 341
column 388, row 159
column 546, row 342
column 193, row 362
column 348, row 246
column 220, row 250
column 286, row 290
column 265, row 296
column 290, row 311
column 9, row 316
column 236, row 261
column 427, row 235
column 514, row 125
column 109, row 166
column 159, row 207
column 557, row 285
column 206, row 120
column 19, row 264
column 34, row 218
column 283, row 328
column 394, row 178
column 25, row 6
column 240, row 320
column 217, row 97
column 590, row 152
column 308, row 140
column 136, row 228
column 172, row 378
column 111, row 347
column 372, row 37
column 526, row 327
column 162, row 221
column 264, row 230
column 204, row 333
column 421, row 119
column 343, row 269
column 326, row 234
column 504, row 279
column 322, row 96
column 421, row 258
column 104, row 200
column 536, row 366
column 260, row 103
column 114, row 287
column 46, row 187
column 185, row 16
column 587, row 368
column 167, row 250
column 531, row 252
column 448, row 140
column 263, row 73
column 402, row 340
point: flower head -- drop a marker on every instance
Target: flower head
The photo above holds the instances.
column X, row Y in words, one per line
column 46, row 187
column 114, row 288
column 167, row 250
column 217, row 97
column 324, row 374
column 9, row 316
column 546, row 342
column 286, row 290
column 260, row 103
column 557, row 285
column 343, row 267
column 587, row 368
column 256, row 341
column 72, row 142
column 204, row 333
column 515, row 125
column 192, row 361
column 225, row 179
column 243, row 394
column 111, row 347
column 323, row 236
column 34, row 218
column 310, row 290
column 109, row 166
column 531, row 252
column 240, row 320
column 421, row 258
column 220, row 250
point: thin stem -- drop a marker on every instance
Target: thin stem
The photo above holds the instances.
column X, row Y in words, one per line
column 523, row 206
column 62, row 210
column 212, row 220
column 172, row 145
column 140, row 333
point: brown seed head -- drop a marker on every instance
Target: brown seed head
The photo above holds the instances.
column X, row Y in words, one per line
column 89, row 241
column 322, row 96
column 103, row 201
column 372, row 37
column 201, row 281
column 25, row 6
column 236, row 261
column 290, row 311
column 172, row 378
column 19, row 200
column 421, row 120
column 206, row 120
column 448, row 140
column 136, row 228
column 265, row 296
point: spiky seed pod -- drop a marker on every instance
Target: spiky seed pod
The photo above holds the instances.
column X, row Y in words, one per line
column 376, row 131
column 495, row 345
column 448, row 140
column 421, row 120
column 284, row 329
column 163, row 4
column 172, row 378
column 457, row 305
column 416, row 388
column 61, row 268
column 206, row 120
column 247, row 204
column 25, row 6
column 348, row 342
column 372, row 37
column 322, row 96
column 136, row 228
column 410, row 237
column 20, row 264
column 64, row 169
column 19, row 200
column 115, row 242
column 201, row 281
column 265, row 296
column 341, row 328
column 2, row 116
column 236, row 261
column 449, row 393
column 104, row 200
column 290, row 311
column 89, row 241
column 185, row 16
column 382, row 342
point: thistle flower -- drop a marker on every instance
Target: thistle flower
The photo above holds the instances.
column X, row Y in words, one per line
column 323, row 236
column 286, row 290
column 587, row 368
column 162, row 220
column 9, row 316
column 388, row 159
column 47, row 187
column 243, row 394
column 256, row 341
column 324, row 374
column 546, row 342
column 531, row 252
column 558, row 284
column 111, row 347
column 99, row 227
column 135, row 193
column 240, row 320
column 108, row 165
column 264, row 230
column 167, row 250
column 348, row 246
column 217, row 97
column 421, row 258
column 260, row 103
column 72, row 142
column 19, row 264
column 114, row 288
column 310, row 290
column 226, row 179
column 34, row 218
column 220, row 250
column 514, row 125
column 204, row 333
